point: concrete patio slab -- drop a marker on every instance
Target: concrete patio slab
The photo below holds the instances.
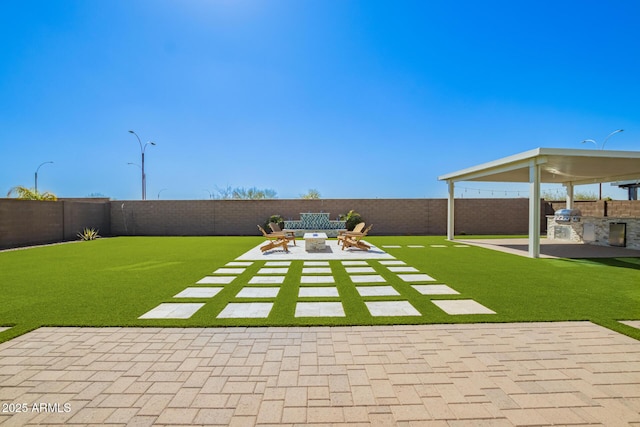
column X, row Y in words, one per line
column 199, row 292
column 391, row 308
column 393, row 262
column 319, row 309
column 415, row 246
column 435, row 290
column 266, row 280
column 233, row 270
column 416, row 278
column 172, row 311
column 462, row 306
column 332, row 252
column 277, row 263
column 391, row 246
column 316, row 270
column 246, row 310
column 472, row 374
column 216, row 280
column 632, row 323
column 317, row 279
column 360, row 270
column 376, row 291
column 352, row 263
column 367, row 278
column 403, row 269
column 316, row 263
column 261, row 292
column 318, row 291
column 238, row 264
column 274, row 270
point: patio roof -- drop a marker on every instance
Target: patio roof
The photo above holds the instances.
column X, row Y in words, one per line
column 547, row 165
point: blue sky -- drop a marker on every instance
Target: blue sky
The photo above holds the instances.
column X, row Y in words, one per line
column 354, row 98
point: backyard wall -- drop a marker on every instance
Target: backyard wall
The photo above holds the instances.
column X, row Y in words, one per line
column 24, row 222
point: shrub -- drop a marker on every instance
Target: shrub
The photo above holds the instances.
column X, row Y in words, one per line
column 351, row 219
column 88, row 234
column 278, row 219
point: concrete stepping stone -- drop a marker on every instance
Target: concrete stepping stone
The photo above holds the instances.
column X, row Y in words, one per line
column 393, row 262
column 403, row 269
column 461, row 246
column 367, row 278
column 229, row 271
column 355, row 263
column 316, row 270
column 246, row 310
column 269, row 280
column 318, row 291
column 319, row 309
column 391, row 308
column 316, row 263
column 276, row 270
column 391, row 246
column 277, row 263
column 416, row 278
column 317, row 279
column 262, row 292
column 216, row 280
column 438, row 246
column 199, row 292
column 172, row 311
column 239, row 264
column 435, row 290
column 462, row 306
column 415, row 246
column 360, row 270
column 376, row 291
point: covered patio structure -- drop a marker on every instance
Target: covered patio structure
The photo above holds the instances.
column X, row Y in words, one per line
column 569, row 167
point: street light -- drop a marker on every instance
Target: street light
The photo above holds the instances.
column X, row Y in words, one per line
column 144, row 177
column 36, row 186
column 602, row 148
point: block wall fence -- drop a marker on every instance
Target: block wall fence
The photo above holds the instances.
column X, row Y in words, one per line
column 24, row 222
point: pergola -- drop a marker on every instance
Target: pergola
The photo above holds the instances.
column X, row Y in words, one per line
column 547, row 165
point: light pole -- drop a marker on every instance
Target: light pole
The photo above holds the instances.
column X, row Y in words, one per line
column 602, row 148
column 36, row 184
column 144, row 177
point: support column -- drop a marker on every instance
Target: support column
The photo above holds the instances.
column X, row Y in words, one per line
column 450, row 212
column 534, row 210
column 569, row 186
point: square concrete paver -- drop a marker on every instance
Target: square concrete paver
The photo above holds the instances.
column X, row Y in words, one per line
column 360, row 270
column 435, row 290
column 262, row 292
column 376, row 291
column 233, row 270
column 393, row 262
column 246, row 310
column 318, row 291
column 355, row 263
column 216, row 280
column 462, row 306
column 172, row 311
column 416, row 278
column 367, row 278
column 239, row 264
column 199, row 292
column 319, row 309
column 403, row 269
column 274, row 270
column 391, row 308
column 317, row 279
column 266, row 280
column 316, row 263
column 277, row 263
column 316, row 270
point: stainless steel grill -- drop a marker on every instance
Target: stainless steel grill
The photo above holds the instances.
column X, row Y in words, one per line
column 567, row 215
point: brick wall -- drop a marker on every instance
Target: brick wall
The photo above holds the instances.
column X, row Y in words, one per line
column 24, row 222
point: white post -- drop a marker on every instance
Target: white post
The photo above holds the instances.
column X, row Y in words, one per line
column 450, row 212
column 569, row 186
column 534, row 210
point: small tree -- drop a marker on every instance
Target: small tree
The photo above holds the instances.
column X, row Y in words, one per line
column 311, row 194
column 25, row 193
column 351, row 219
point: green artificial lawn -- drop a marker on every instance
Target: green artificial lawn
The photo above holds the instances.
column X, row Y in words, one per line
column 113, row 281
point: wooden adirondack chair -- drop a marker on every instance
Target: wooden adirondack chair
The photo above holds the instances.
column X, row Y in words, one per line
column 289, row 235
column 355, row 240
column 343, row 233
column 275, row 240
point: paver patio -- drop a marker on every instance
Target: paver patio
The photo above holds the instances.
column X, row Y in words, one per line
column 472, row 374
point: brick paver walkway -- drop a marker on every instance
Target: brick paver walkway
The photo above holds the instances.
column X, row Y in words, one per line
column 499, row 374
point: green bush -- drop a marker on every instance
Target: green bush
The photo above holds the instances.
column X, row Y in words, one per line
column 88, row 234
column 352, row 219
column 278, row 219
